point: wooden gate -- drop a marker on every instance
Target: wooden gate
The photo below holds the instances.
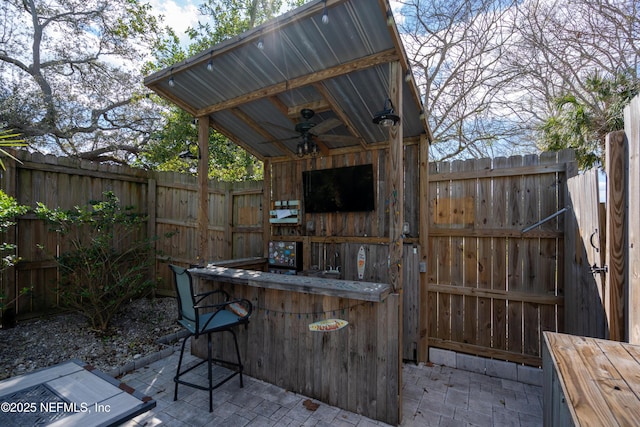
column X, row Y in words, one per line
column 585, row 274
column 496, row 254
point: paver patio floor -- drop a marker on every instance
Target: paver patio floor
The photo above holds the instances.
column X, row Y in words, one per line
column 432, row 396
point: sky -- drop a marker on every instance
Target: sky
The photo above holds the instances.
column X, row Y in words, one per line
column 177, row 14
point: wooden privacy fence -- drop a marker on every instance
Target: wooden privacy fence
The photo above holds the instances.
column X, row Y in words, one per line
column 495, row 258
column 605, row 288
column 503, row 252
column 169, row 200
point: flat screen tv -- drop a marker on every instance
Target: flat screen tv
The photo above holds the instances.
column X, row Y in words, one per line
column 345, row 189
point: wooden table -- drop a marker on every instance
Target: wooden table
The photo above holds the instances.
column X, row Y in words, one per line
column 590, row 382
column 69, row 394
column 357, row 367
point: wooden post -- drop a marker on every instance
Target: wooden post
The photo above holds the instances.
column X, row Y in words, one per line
column 617, row 186
column 266, row 206
column 396, row 182
column 423, row 331
column 203, row 189
column 396, row 212
column 152, row 216
column 632, row 132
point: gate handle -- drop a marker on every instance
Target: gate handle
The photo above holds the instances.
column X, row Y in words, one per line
column 591, row 240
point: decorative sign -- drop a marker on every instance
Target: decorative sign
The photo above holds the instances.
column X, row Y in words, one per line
column 362, row 261
column 328, row 325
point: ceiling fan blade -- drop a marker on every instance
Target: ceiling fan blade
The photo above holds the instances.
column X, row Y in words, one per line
column 280, row 140
column 325, row 126
column 340, row 139
column 288, row 129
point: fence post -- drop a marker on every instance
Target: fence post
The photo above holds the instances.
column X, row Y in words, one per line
column 632, row 132
column 616, row 155
column 152, row 216
column 203, row 189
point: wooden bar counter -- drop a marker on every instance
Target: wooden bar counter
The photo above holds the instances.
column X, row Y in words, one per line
column 357, row 367
column 590, row 382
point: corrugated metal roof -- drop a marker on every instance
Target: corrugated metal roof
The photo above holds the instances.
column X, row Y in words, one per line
column 254, row 94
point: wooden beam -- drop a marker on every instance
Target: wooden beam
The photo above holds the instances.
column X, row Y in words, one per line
column 423, row 303
column 329, row 73
column 152, row 216
column 260, row 130
column 632, row 255
column 342, row 116
column 396, row 181
column 203, row 189
column 499, row 172
column 234, row 138
column 498, row 294
column 617, row 189
column 266, row 206
column 396, row 217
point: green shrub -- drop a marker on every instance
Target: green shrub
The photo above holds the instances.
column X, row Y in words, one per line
column 9, row 210
column 107, row 260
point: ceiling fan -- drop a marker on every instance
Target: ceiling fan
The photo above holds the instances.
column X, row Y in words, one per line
column 307, row 145
column 308, row 131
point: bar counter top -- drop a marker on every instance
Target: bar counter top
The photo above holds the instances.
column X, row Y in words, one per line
column 365, row 291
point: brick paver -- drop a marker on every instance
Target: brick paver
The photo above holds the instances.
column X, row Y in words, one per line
column 432, row 396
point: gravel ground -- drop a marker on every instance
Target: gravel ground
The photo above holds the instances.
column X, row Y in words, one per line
column 47, row 341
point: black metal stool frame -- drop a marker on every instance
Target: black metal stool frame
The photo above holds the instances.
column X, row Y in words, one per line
column 190, row 307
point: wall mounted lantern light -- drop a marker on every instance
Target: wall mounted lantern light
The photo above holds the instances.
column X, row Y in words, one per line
column 387, row 116
column 188, row 153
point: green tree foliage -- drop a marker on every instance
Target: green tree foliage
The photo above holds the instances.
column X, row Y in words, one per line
column 108, row 258
column 223, row 19
column 166, row 151
column 9, row 210
column 582, row 120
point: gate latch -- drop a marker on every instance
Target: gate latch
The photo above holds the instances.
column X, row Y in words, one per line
column 595, row 269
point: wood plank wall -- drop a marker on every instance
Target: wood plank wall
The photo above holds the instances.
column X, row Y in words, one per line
column 591, row 301
column 335, row 238
column 492, row 288
column 355, row 368
column 234, row 230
